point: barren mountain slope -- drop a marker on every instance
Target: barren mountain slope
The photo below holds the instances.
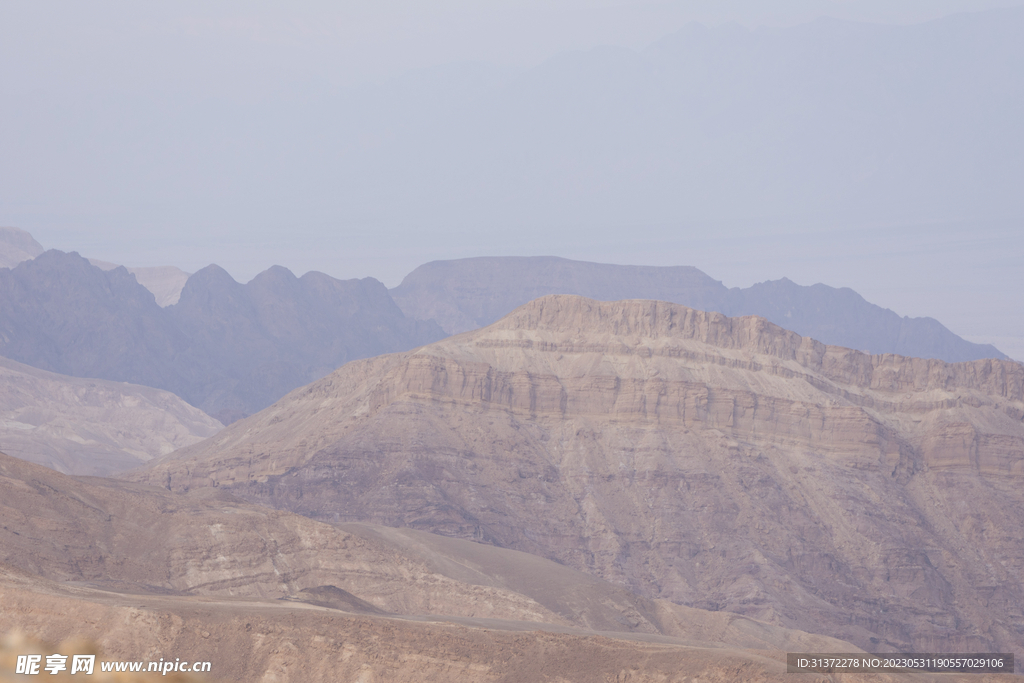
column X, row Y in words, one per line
column 128, row 537
column 165, row 282
column 272, row 641
column 143, row 571
column 720, row 463
column 91, row 426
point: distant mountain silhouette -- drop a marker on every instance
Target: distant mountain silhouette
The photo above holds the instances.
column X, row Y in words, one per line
column 227, row 348
column 466, row 294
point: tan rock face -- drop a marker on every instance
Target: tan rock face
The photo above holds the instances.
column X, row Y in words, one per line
column 128, row 537
column 715, row 462
column 92, row 426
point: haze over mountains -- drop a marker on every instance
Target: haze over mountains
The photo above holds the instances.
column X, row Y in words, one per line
column 17, row 246
column 722, row 463
column 817, row 124
column 517, row 467
column 166, row 282
column 227, row 348
column 467, row 294
column 233, row 349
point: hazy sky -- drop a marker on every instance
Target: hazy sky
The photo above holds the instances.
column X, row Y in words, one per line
column 103, row 98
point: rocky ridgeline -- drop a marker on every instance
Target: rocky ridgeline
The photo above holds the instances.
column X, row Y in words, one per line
column 466, row 294
column 227, row 348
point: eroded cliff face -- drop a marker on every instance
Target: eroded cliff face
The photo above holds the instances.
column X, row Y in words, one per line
column 721, row 463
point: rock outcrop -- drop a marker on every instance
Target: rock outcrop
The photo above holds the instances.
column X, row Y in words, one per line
column 721, row 463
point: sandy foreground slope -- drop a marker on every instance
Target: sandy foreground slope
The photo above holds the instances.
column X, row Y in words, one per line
column 272, row 596
column 723, row 463
column 251, row 640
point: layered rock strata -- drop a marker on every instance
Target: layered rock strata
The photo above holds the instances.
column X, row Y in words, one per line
column 721, row 463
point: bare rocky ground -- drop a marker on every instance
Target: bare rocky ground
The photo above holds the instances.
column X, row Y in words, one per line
column 721, row 463
column 263, row 641
column 92, row 426
column 271, row 596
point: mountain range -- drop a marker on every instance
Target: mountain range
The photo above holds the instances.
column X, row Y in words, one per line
column 233, row 349
column 720, row 463
column 466, row 294
column 511, row 469
column 227, row 348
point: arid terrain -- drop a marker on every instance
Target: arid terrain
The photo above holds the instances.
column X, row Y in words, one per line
column 91, row 426
column 273, row 596
column 630, row 491
column 627, row 341
column 726, row 464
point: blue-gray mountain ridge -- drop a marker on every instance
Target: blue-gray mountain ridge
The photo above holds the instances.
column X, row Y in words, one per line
column 233, row 349
column 227, row 348
column 467, row 294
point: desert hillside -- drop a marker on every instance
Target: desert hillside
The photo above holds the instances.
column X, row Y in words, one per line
column 92, row 426
column 725, row 464
column 270, row 595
